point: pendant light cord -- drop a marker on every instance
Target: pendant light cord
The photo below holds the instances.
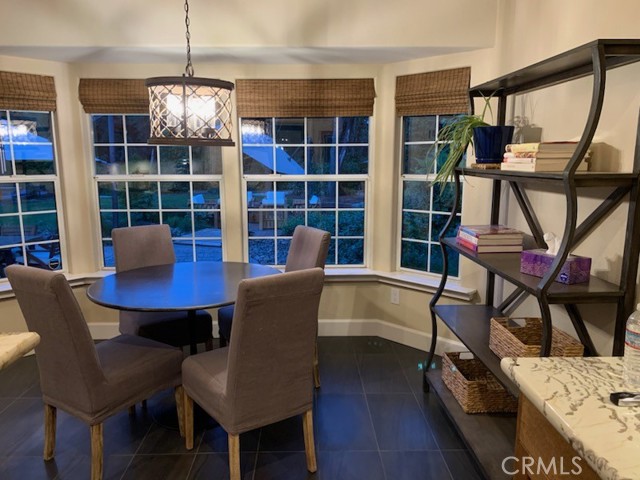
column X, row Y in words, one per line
column 189, row 68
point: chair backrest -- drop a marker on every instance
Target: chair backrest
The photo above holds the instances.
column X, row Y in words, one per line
column 67, row 359
column 270, row 360
column 144, row 246
column 308, row 249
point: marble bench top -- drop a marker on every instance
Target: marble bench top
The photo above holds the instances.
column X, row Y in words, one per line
column 15, row 345
column 573, row 394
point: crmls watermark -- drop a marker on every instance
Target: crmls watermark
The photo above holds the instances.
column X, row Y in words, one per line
column 536, row 466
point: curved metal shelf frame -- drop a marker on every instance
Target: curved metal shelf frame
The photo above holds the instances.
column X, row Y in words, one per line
column 593, row 59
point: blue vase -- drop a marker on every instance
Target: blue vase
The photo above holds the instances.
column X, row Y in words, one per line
column 489, row 142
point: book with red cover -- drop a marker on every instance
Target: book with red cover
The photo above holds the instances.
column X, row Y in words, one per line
column 489, row 248
column 483, row 231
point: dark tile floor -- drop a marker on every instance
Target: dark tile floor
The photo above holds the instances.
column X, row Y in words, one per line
column 372, row 422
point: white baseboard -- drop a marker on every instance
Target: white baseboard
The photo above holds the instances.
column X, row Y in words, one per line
column 337, row 328
column 103, row 330
column 396, row 333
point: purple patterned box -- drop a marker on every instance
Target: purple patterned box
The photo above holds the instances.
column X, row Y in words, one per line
column 536, row 262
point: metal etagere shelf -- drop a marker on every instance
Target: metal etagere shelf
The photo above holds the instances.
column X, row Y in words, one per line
column 470, row 323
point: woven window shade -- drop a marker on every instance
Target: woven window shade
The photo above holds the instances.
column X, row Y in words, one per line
column 305, row 98
column 433, row 93
column 112, row 95
column 23, row 91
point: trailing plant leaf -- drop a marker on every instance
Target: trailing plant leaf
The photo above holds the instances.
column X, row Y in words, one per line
column 456, row 136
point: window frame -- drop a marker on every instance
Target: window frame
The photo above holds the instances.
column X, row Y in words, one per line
column 46, row 178
column 306, row 178
column 157, row 178
column 403, row 178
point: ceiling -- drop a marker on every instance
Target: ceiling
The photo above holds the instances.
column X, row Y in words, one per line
column 245, row 31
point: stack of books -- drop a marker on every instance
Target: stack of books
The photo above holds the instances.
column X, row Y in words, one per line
column 541, row 157
column 490, row 238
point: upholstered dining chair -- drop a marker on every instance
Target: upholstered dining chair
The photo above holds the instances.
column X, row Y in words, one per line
column 308, row 249
column 147, row 246
column 91, row 382
column 265, row 374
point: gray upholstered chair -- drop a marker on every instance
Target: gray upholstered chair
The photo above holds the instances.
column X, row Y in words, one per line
column 147, row 246
column 264, row 376
column 91, row 382
column 308, row 249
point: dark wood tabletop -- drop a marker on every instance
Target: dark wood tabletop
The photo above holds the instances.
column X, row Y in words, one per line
column 175, row 287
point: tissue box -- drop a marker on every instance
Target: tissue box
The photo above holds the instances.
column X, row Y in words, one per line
column 576, row 269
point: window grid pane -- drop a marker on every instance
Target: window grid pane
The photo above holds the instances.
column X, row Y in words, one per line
column 425, row 209
column 305, row 171
column 180, row 187
column 29, row 220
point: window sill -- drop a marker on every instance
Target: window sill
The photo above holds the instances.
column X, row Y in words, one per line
column 75, row 280
column 333, row 275
column 399, row 279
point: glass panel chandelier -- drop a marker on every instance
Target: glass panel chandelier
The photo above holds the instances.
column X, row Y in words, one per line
column 189, row 110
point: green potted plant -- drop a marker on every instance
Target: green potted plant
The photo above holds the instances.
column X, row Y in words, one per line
column 487, row 141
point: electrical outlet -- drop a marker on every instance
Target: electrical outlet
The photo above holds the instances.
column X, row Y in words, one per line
column 395, row 296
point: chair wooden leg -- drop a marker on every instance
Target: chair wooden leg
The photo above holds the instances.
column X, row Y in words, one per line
column 49, row 431
column 96, row 451
column 222, row 341
column 234, row 457
column 208, row 345
column 316, row 369
column 309, row 445
column 144, row 404
column 187, row 405
column 132, row 410
column 179, row 394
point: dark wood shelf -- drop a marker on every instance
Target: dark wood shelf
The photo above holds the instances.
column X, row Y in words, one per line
column 470, row 323
column 490, row 437
column 507, row 266
column 561, row 68
column 582, row 179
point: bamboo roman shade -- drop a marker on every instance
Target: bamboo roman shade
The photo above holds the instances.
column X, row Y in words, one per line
column 24, row 91
column 113, row 95
column 305, row 98
column 433, row 93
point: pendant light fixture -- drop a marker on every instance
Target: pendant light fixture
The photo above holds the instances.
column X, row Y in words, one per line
column 189, row 110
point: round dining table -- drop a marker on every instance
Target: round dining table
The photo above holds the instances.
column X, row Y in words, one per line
column 183, row 286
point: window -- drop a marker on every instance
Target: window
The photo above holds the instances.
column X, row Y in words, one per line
column 425, row 209
column 141, row 184
column 305, row 171
column 30, row 224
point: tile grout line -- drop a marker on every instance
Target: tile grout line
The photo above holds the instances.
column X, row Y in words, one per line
column 373, row 427
column 417, row 400
column 255, row 461
column 415, row 397
column 439, row 450
column 13, row 400
column 134, row 453
column 195, row 454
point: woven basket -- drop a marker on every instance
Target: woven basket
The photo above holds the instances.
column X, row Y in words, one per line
column 525, row 341
column 475, row 388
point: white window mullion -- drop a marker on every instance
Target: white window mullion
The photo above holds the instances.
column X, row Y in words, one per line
column 306, row 211
column 157, row 180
